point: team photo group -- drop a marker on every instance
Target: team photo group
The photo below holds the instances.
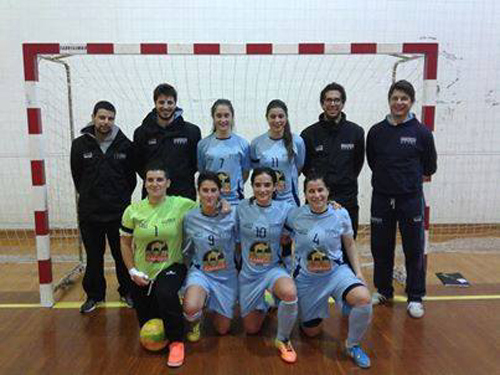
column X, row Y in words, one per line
column 230, row 256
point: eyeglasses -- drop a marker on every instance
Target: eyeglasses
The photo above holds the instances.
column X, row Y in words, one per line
column 333, row 100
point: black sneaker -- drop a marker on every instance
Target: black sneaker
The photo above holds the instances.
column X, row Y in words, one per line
column 127, row 299
column 89, row 306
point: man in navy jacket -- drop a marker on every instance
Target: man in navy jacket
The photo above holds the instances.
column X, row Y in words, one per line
column 400, row 152
column 102, row 168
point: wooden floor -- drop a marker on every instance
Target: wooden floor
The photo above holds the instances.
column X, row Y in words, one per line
column 460, row 333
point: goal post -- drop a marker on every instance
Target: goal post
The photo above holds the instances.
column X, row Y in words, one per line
column 33, row 52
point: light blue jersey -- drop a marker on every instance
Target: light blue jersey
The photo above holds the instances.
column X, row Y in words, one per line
column 268, row 152
column 321, row 272
column 260, row 230
column 230, row 159
column 211, row 240
column 318, row 238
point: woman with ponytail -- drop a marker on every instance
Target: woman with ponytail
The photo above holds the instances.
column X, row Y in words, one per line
column 280, row 150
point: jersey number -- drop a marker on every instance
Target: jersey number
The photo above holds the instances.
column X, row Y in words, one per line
column 211, row 240
column 221, row 162
column 316, row 239
column 275, row 162
column 260, row 232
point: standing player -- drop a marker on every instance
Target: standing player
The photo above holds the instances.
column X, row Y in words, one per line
column 164, row 135
column 104, row 177
column 318, row 230
column 335, row 148
column 212, row 278
column 151, row 243
column 225, row 153
column 260, row 224
column 400, row 153
column 280, row 150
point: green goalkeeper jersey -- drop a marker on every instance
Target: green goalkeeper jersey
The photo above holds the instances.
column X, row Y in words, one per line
column 157, row 232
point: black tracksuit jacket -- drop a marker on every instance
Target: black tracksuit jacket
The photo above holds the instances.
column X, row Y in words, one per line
column 175, row 145
column 337, row 152
column 104, row 181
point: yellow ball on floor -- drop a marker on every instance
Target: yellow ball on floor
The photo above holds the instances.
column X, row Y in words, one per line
column 152, row 335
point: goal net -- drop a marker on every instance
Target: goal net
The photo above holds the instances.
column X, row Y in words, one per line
column 71, row 83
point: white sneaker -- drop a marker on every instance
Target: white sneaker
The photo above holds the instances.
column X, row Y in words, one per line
column 416, row 309
column 379, row 299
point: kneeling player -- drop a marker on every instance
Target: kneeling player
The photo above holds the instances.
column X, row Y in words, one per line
column 212, row 277
column 321, row 272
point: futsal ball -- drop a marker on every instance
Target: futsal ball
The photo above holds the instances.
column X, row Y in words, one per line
column 152, row 335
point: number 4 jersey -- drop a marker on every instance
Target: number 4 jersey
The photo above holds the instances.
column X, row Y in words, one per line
column 318, row 238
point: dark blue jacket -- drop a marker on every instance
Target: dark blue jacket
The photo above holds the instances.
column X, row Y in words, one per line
column 399, row 156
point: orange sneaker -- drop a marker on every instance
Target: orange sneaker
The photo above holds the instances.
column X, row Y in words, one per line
column 175, row 354
column 286, row 349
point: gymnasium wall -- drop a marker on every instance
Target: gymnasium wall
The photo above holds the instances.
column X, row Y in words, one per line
column 465, row 188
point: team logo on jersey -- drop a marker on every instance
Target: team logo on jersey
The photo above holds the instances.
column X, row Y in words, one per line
column 318, row 148
column 412, row 141
column 180, row 141
column 281, row 182
column 347, row 146
column 157, row 252
column 120, row 156
column 260, row 253
column 318, row 261
column 87, row 155
column 152, row 141
column 214, row 260
column 225, row 181
column 376, row 220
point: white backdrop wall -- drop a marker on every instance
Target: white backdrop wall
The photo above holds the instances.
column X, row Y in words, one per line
column 465, row 189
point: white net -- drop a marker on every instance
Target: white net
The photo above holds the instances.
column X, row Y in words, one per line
column 250, row 82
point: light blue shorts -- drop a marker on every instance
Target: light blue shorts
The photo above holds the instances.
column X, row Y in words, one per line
column 314, row 291
column 221, row 291
column 252, row 288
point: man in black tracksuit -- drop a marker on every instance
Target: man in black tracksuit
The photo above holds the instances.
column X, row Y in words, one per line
column 165, row 136
column 400, row 152
column 102, row 167
column 335, row 148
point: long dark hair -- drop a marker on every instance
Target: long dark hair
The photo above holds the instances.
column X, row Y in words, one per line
column 287, row 134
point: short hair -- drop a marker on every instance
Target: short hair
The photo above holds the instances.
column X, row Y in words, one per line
column 334, row 86
column 156, row 165
column 209, row 176
column 166, row 90
column 313, row 176
column 263, row 170
column 103, row 104
column 402, row 85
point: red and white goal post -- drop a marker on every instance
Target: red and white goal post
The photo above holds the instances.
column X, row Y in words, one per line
column 33, row 52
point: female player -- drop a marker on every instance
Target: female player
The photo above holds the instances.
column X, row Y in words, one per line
column 280, row 150
column 225, row 153
column 212, row 279
column 155, row 264
column 260, row 224
column 318, row 230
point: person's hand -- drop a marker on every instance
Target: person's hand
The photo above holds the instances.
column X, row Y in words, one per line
column 335, row 205
column 360, row 276
column 138, row 277
column 225, row 207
